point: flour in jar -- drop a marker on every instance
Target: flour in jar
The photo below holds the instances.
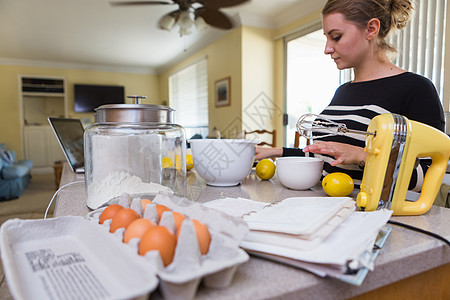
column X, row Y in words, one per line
column 118, row 183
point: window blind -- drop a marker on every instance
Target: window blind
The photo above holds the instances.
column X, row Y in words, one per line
column 188, row 95
column 421, row 45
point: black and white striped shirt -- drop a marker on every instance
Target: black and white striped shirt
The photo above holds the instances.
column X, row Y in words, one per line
column 355, row 104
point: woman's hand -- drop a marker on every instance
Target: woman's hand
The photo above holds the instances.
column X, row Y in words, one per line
column 343, row 153
column 266, row 152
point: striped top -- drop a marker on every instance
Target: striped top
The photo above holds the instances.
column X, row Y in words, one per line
column 355, row 104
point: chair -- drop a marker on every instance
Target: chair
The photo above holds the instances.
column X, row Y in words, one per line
column 273, row 133
column 297, row 140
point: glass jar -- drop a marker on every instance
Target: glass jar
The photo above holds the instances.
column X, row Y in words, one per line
column 134, row 149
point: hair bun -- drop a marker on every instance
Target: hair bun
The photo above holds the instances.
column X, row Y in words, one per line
column 401, row 12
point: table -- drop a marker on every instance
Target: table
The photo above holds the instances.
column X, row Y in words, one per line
column 411, row 264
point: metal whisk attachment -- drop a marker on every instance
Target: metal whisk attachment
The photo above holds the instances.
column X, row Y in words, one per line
column 313, row 126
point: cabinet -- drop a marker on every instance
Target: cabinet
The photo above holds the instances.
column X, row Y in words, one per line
column 41, row 146
column 41, row 97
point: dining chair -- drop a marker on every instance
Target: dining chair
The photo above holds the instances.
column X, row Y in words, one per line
column 263, row 133
column 297, row 140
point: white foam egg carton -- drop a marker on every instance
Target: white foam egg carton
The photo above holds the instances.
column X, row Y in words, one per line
column 181, row 278
column 70, row 258
column 76, row 257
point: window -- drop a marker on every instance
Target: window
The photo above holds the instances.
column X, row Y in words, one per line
column 188, row 95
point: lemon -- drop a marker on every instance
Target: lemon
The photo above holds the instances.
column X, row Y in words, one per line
column 178, row 162
column 338, row 184
column 265, row 169
column 167, row 162
column 189, row 162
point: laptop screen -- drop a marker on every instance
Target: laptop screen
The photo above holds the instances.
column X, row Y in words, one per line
column 69, row 133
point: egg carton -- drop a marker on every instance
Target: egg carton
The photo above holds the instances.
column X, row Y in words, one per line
column 181, row 278
column 71, row 258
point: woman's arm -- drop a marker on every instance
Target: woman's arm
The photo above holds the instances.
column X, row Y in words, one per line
column 343, row 153
column 266, row 152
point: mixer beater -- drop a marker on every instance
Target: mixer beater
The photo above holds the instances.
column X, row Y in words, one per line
column 310, row 124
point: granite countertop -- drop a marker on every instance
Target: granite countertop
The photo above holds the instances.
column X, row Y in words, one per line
column 406, row 253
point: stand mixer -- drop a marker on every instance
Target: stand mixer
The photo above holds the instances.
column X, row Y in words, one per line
column 393, row 144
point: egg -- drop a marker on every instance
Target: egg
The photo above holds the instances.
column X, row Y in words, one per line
column 178, row 219
column 137, row 228
column 160, row 209
column 159, row 238
column 123, row 218
column 144, row 203
column 203, row 236
column 109, row 212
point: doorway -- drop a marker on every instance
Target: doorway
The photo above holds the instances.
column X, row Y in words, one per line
column 311, row 80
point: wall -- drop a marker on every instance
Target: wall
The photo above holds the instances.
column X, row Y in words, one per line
column 246, row 55
column 224, row 60
column 259, row 108
column 10, row 122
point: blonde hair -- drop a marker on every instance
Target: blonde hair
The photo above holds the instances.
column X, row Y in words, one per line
column 393, row 15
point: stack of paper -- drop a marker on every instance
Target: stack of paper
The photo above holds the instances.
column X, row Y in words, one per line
column 324, row 235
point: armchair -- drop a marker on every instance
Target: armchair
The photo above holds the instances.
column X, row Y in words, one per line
column 14, row 175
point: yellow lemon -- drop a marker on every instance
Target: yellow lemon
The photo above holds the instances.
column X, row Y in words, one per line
column 189, row 162
column 265, row 169
column 167, row 162
column 178, row 162
column 338, row 184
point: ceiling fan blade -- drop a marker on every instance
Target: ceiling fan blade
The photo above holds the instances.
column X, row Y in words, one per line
column 221, row 3
column 214, row 17
column 125, row 3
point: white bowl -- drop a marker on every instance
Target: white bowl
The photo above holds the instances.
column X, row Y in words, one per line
column 223, row 162
column 299, row 173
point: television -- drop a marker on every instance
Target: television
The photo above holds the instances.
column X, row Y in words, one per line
column 88, row 97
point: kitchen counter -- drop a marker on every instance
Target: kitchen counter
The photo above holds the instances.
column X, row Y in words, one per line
column 425, row 261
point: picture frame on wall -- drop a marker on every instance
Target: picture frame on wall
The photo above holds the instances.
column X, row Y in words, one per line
column 222, row 91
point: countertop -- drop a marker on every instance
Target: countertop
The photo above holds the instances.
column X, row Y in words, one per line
column 406, row 253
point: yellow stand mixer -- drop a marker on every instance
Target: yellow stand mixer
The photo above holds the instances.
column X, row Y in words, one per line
column 393, row 144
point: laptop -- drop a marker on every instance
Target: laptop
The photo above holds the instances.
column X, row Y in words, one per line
column 69, row 133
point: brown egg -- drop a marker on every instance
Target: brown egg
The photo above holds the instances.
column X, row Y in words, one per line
column 123, row 218
column 159, row 238
column 144, row 203
column 178, row 218
column 137, row 228
column 160, row 209
column 203, row 236
column 110, row 212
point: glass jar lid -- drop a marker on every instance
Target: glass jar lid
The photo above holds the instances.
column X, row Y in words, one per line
column 135, row 112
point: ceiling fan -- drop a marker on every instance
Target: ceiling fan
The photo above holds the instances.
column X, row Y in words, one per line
column 205, row 12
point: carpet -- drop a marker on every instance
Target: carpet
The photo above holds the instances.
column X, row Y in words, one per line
column 30, row 205
column 33, row 202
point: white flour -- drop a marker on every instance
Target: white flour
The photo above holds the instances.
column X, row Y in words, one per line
column 118, row 183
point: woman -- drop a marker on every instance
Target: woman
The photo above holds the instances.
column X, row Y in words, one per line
column 356, row 32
